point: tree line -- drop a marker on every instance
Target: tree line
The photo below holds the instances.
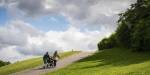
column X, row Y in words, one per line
column 133, row 29
column 2, row 63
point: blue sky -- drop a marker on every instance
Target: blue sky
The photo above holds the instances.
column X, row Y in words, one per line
column 4, row 16
column 49, row 22
column 44, row 23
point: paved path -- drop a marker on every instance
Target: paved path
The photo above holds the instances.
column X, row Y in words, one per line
column 60, row 64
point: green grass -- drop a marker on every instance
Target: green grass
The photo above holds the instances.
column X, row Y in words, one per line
column 116, row 61
column 27, row 64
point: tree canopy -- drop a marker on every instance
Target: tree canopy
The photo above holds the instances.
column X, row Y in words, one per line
column 134, row 27
column 2, row 63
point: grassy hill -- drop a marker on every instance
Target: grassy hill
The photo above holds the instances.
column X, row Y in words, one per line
column 27, row 64
column 116, row 61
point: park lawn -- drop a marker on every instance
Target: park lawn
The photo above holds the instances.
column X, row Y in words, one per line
column 27, row 64
column 116, row 61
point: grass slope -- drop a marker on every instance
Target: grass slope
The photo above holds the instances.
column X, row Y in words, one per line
column 27, row 64
column 116, row 61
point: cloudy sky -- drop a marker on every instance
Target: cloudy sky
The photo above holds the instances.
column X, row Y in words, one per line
column 29, row 28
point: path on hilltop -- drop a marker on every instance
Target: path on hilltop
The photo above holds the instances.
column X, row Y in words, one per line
column 60, row 64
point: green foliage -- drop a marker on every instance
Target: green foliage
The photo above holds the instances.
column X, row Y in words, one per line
column 134, row 27
column 2, row 63
column 123, row 35
column 116, row 61
column 107, row 43
column 141, row 35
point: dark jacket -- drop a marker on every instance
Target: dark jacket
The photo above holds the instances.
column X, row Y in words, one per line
column 46, row 57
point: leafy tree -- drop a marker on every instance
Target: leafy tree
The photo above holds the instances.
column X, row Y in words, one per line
column 2, row 63
column 141, row 35
column 133, row 31
column 107, row 43
column 133, row 28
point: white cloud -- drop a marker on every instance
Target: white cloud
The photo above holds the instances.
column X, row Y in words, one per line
column 19, row 40
column 12, row 55
column 91, row 14
column 16, row 33
column 90, row 21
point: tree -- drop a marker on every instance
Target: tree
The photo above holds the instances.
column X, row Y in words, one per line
column 107, row 43
column 133, row 28
column 2, row 63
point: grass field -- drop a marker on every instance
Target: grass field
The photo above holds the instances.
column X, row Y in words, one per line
column 116, row 61
column 27, row 64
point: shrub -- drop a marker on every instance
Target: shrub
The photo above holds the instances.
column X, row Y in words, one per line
column 107, row 43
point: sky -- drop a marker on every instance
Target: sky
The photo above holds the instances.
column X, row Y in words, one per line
column 29, row 28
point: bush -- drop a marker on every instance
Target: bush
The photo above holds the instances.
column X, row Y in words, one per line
column 2, row 63
column 107, row 43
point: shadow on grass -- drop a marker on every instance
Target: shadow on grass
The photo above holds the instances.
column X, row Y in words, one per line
column 98, row 65
column 116, row 57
